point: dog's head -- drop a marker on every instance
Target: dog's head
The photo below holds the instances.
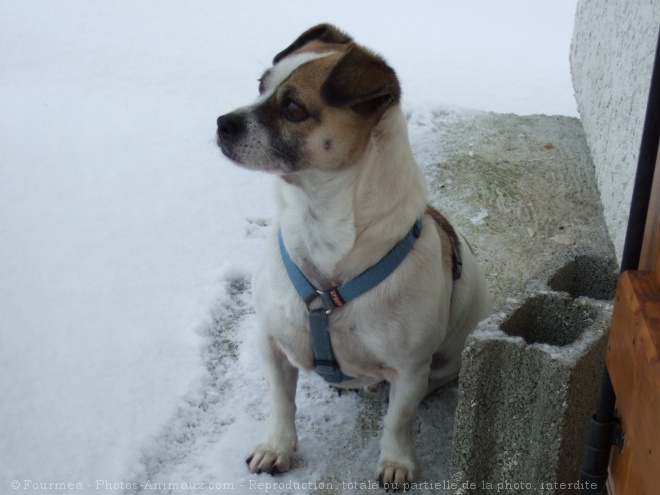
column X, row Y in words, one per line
column 317, row 106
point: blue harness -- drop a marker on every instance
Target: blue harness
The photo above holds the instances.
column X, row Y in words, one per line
column 325, row 363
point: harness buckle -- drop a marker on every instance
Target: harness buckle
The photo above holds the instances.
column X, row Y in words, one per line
column 326, row 301
column 330, row 371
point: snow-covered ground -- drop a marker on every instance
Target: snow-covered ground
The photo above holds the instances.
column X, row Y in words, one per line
column 127, row 240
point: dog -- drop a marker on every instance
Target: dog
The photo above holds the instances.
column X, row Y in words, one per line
column 328, row 124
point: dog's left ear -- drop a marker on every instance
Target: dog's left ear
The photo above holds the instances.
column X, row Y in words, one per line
column 326, row 33
column 363, row 81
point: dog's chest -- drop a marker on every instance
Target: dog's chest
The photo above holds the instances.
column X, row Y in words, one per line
column 351, row 335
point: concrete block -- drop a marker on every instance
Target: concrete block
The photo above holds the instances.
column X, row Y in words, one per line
column 529, row 382
column 581, row 272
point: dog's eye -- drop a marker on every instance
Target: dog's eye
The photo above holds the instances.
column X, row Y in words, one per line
column 262, row 86
column 293, row 112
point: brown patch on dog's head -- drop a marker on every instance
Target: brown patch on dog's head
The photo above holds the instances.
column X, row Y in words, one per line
column 363, row 81
column 332, row 137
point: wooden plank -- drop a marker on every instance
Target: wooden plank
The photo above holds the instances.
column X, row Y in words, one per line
column 650, row 255
column 633, row 360
column 624, row 478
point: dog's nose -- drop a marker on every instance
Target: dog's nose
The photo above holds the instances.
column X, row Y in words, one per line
column 230, row 125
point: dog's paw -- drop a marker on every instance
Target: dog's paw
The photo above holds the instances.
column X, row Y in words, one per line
column 395, row 476
column 267, row 458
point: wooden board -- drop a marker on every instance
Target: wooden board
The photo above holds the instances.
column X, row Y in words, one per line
column 650, row 255
column 633, row 360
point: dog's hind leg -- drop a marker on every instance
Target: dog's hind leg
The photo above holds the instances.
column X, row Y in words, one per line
column 273, row 454
column 443, row 371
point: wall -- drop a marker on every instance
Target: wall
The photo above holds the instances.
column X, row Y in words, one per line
column 611, row 62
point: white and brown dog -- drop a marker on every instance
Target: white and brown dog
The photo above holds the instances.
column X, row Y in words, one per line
column 329, row 126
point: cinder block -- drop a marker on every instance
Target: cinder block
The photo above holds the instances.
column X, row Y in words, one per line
column 581, row 272
column 530, row 378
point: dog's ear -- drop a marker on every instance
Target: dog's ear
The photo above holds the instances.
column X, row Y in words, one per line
column 326, row 33
column 363, row 81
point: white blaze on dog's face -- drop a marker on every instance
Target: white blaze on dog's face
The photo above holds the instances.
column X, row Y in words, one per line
column 317, row 107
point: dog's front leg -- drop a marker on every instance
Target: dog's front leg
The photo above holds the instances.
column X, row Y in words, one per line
column 273, row 454
column 396, row 466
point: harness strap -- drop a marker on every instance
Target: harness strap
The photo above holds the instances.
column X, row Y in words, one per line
column 325, row 363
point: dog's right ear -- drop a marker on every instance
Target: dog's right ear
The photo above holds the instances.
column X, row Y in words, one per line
column 326, row 33
column 363, row 81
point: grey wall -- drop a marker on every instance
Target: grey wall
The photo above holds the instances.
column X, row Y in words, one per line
column 611, row 61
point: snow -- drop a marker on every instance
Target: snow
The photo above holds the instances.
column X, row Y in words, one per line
column 127, row 240
column 479, row 218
